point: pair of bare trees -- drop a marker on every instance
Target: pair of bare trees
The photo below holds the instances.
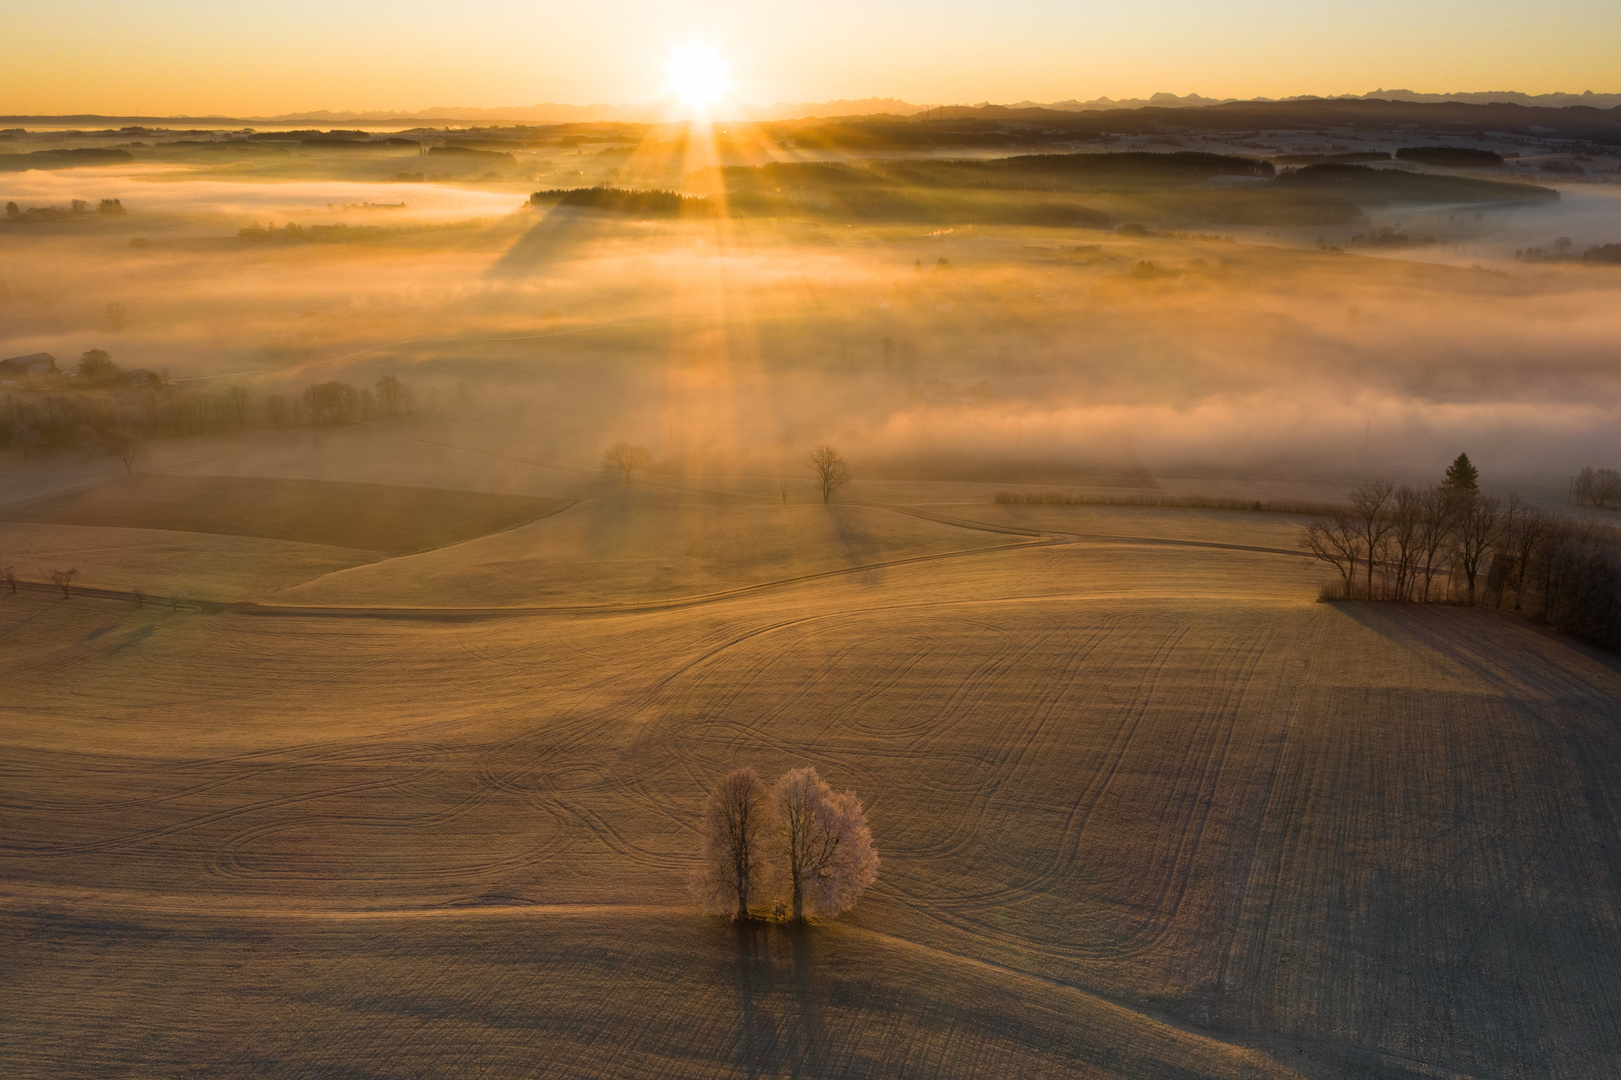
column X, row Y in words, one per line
column 62, row 579
column 797, row 840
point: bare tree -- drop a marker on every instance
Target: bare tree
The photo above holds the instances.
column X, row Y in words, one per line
column 1532, row 531
column 238, row 397
column 626, row 458
column 825, row 844
column 1479, row 524
column 394, row 396
column 1337, row 541
column 1582, row 486
column 331, row 402
column 8, row 574
column 1606, row 487
column 1370, row 503
column 1406, row 523
column 1435, row 526
column 122, row 444
column 63, row 578
column 831, row 471
column 735, row 833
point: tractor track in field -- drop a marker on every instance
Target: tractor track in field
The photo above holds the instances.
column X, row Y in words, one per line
column 54, row 905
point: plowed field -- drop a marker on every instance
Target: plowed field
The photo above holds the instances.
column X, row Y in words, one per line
column 1143, row 810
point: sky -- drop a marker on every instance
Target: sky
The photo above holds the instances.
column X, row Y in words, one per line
column 170, row 57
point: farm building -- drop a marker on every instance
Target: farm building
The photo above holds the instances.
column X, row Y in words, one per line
column 34, row 364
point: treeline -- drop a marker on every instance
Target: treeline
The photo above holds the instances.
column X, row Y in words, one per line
column 1041, row 171
column 106, row 422
column 639, row 203
column 1596, row 487
column 1564, row 251
column 64, row 159
column 1452, row 544
column 1369, row 186
column 1456, row 157
column 77, row 208
column 321, row 234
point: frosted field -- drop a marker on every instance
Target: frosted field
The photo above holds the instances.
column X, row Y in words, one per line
column 1144, row 809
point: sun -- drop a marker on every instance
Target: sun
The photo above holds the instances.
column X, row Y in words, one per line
column 698, row 75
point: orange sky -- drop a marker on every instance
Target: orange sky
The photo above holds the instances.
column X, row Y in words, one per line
column 255, row 58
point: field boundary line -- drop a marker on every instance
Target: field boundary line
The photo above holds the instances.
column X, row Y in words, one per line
column 250, row 607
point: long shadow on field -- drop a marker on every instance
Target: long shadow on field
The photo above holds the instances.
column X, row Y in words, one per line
column 781, row 1030
column 562, row 232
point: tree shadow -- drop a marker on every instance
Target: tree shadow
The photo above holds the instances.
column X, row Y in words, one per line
column 563, row 231
column 780, row 1026
column 757, row 1044
column 810, row 1033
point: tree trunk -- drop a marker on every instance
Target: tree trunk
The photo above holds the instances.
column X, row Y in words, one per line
column 799, row 900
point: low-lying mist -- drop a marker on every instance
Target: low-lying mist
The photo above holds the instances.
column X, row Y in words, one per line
column 733, row 343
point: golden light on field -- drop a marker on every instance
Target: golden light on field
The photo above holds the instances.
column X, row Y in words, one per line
column 698, row 76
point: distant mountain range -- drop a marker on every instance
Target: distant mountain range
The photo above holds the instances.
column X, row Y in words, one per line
column 550, row 113
column 1485, row 97
column 556, row 113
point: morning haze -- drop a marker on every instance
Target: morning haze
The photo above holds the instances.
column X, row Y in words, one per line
column 1121, row 587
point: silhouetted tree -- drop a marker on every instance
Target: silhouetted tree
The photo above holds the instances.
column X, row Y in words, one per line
column 1523, row 546
column 831, row 471
column 1406, row 524
column 1462, row 476
column 735, row 833
column 8, row 574
column 238, row 396
column 1370, row 504
column 826, row 847
column 1435, row 526
column 1475, row 532
column 1606, row 487
column 394, row 396
column 122, row 444
column 1336, row 540
column 97, row 366
column 626, row 458
column 140, row 598
column 63, row 578
column 331, row 402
